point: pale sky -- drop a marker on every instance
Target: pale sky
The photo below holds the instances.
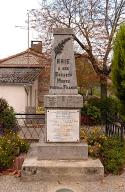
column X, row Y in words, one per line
column 14, row 13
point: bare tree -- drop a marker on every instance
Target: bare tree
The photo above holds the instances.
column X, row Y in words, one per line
column 94, row 23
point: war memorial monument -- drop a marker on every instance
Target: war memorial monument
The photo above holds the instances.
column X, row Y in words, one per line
column 60, row 154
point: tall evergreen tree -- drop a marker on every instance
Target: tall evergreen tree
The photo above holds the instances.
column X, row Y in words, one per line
column 118, row 68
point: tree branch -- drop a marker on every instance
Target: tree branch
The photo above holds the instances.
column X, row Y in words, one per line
column 90, row 55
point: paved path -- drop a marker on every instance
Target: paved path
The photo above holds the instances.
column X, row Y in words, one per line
column 109, row 184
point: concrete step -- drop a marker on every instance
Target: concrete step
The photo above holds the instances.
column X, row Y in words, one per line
column 62, row 170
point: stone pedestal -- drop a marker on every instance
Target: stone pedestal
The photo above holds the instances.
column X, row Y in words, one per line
column 63, row 151
column 63, row 101
column 63, row 142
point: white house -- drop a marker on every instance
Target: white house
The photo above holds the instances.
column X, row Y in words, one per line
column 19, row 86
column 22, row 76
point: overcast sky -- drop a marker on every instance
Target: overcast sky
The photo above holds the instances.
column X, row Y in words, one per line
column 14, row 13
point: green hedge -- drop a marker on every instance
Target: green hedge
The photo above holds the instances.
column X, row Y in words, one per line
column 97, row 108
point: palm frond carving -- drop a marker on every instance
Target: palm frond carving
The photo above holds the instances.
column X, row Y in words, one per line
column 59, row 48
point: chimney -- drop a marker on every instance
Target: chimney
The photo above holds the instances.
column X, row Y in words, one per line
column 36, row 46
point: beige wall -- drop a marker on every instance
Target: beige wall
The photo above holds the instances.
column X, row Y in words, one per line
column 15, row 96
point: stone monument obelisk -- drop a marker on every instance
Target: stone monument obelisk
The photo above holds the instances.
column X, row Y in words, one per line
column 62, row 140
column 60, row 154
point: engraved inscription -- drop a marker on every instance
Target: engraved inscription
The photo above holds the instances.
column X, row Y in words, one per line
column 63, row 75
column 62, row 125
column 51, row 101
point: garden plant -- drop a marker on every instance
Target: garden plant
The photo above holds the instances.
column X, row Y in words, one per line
column 11, row 145
column 110, row 150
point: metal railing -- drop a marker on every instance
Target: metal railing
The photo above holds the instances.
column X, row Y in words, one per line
column 30, row 125
column 114, row 129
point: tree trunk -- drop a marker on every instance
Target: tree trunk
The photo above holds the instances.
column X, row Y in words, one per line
column 103, row 85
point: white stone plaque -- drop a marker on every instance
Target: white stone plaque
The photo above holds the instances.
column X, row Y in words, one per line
column 62, row 125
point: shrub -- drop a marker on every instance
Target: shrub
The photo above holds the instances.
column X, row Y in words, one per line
column 3, row 105
column 86, row 120
column 92, row 113
column 8, row 151
column 113, row 155
column 7, row 118
column 11, row 145
column 94, row 101
column 23, row 145
column 98, row 108
column 107, row 105
column 6, row 159
column 110, row 107
column 110, row 150
column 95, row 138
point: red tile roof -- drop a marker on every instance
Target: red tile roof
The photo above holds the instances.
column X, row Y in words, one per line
column 28, row 58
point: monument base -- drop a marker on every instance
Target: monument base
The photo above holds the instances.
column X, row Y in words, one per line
column 62, row 170
column 62, row 151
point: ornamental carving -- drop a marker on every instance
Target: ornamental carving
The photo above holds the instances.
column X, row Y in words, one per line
column 59, row 48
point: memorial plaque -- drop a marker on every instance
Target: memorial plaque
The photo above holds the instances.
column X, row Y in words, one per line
column 62, row 125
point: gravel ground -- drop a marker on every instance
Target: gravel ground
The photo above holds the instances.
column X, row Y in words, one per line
column 108, row 184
